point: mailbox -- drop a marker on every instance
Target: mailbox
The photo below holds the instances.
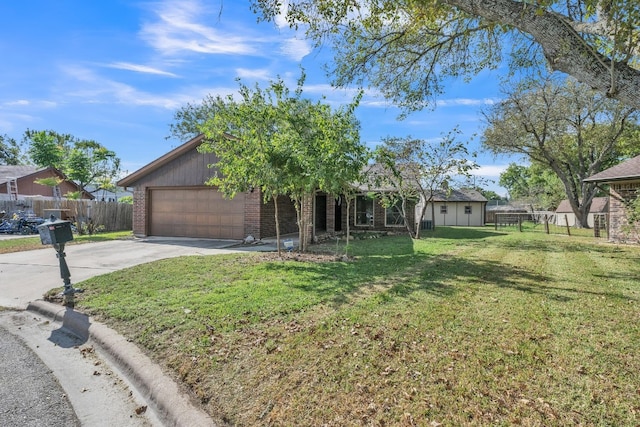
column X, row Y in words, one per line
column 55, row 231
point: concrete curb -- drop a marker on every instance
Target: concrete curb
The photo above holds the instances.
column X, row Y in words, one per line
column 161, row 392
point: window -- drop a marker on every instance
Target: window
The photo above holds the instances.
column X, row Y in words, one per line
column 364, row 210
column 467, row 210
column 443, row 209
column 393, row 215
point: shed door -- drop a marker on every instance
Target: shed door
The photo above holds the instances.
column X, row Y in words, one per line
column 196, row 212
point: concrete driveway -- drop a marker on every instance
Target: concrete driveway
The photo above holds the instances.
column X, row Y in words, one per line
column 26, row 276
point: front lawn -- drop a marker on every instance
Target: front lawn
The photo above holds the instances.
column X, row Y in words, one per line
column 467, row 327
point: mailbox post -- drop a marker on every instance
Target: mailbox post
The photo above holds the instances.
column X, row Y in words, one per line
column 57, row 232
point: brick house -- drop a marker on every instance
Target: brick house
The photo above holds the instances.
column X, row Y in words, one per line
column 16, row 182
column 170, row 198
column 624, row 186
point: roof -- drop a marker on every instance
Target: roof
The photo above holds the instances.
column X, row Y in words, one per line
column 598, row 205
column 22, row 171
column 629, row 169
column 161, row 161
column 10, row 172
column 461, row 195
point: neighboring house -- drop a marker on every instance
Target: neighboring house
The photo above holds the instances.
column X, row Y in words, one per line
column 463, row 207
column 19, row 182
column 624, row 186
column 506, row 212
column 565, row 215
column 108, row 196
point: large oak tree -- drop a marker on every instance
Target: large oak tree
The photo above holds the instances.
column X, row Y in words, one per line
column 567, row 128
column 408, row 48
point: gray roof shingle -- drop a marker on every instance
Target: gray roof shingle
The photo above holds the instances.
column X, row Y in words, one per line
column 629, row 169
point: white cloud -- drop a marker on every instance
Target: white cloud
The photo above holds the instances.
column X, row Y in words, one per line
column 296, row 48
column 19, row 102
column 140, row 69
column 95, row 89
column 490, row 170
column 457, row 102
column 258, row 74
column 178, row 29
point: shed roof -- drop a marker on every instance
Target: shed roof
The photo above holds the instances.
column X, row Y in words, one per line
column 629, row 169
column 598, row 205
column 460, row 195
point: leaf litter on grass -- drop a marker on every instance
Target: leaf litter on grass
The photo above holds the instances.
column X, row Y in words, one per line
column 502, row 329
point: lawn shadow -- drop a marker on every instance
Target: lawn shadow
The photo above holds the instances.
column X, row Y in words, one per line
column 396, row 270
column 460, row 233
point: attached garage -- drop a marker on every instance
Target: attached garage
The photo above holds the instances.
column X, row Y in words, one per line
column 170, row 199
column 195, row 212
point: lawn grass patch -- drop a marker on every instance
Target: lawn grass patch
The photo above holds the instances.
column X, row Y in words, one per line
column 32, row 243
column 466, row 326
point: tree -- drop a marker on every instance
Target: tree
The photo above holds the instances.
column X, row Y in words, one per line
column 9, row 151
column 408, row 48
column 47, row 148
column 536, row 185
column 86, row 162
column 565, row 127
column 277, row 142
column 416, row 169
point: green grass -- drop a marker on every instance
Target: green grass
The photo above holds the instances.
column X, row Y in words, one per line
column 466, row 326
column 31, row 243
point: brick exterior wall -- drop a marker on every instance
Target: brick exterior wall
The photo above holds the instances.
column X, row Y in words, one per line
column 252, row 207
column 378, row 218
column 139, row 212
column 619, row 229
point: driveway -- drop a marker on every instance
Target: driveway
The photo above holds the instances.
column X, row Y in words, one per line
column 27, row 276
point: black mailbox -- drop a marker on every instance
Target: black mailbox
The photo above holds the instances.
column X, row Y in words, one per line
column 55, row 231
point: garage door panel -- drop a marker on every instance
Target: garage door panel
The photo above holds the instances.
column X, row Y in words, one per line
column 196, row 213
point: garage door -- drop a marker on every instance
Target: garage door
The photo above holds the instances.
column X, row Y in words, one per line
column 199, row 212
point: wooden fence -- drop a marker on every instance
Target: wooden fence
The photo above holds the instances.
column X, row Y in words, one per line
column 112, row 215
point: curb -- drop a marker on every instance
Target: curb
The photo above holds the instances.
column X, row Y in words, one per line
column 160, row 391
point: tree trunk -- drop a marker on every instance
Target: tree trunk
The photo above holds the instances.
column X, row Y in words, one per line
column 346, row 249
column 433, row 215
column 275, row 203
column 563, row 47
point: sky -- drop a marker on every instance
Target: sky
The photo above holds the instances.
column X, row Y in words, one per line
column 117, row 71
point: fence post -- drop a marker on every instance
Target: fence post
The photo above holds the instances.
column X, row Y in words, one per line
column 546, row 223
column 566, row 221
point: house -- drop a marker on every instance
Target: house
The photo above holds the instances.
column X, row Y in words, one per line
column 170, row 198
column 463, row 207
column 624, row 186
column 565, row 216
column 18, row 182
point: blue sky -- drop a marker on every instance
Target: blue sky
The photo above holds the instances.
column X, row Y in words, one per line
column 117, row 71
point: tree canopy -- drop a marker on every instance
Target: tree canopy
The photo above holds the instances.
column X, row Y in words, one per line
column 83, row 161
column 278, row 142
column 409, row 48
column 9, row 151
column 416, row 169
column 565, row 127
column 536, row 185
